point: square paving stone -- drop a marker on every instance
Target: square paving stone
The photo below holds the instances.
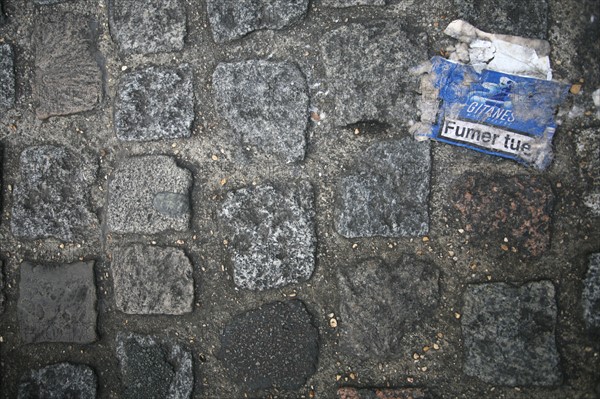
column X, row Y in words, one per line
column 153, row 368
column 59, row 381
column 367, row 66
column 233, row 19
column 68, row 79
column 149, row 194
column 152, row 280
column 155, row 103
column 386, row 191
column 57, row 303
column 384, row 393
column 591, row 293
column 7, row 77
column 272, row 235
column 266, row 103
column 273, row 346
column 405, row 292
column 509, row 334
column 518, row 208
column 147, row 26
column 51, row 199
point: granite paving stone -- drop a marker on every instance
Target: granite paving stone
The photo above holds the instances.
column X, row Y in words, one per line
column 350, row 3
column 385, row 193
column 2, row 297
column 266, row 104
column 518, row 208
column 149, row 194
column 7, row 76
column 52, row 197
column 152, row 280
column 57, row 303
column 271, row 234
column 68, row 79
column 153, row 368
column 591, row 293
column 48, row 2
column 59, row 381
column 367, row 66
column 275, row 345
column 383, row 393
column 406, row 291
column 587, row 146
column 233, row 19
column 155, row 103
column 148, row 26
column 509, row 334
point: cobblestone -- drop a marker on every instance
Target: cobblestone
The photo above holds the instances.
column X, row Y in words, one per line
column 403, row 393
column 350, row 3
column 591, row 293
column 58, row 381
column 7, row 76
column 587, row 147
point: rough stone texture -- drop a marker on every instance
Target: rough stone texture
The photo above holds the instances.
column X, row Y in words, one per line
column 591, row 293
column 232, row 19
column 520, row 18
column 147, row 26
column 51, row 199
column 385, row 393
column 3, row 18
column 152, row 280
column 518, row 208
column 67, row 77
column 155, row 103
column 588, row 156
column 59, row 381
column 153, row 369
column 276, row 345
column 406, row 292
column 272, row 235
column 48, row 2
column 57, row 303
column 509, row 334
column 350, row 3
column 386, row 191
column 149, row 194
column 367, row 87
column 2, row 298
column 7, row 75
column 266, row 103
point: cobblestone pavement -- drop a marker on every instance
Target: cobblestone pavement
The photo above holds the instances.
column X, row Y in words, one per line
column 221, row 199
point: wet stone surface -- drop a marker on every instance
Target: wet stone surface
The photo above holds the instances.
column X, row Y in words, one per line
column 591, row 294
column 385, row 193
column 59, row 381
column 51, row 199
column 68, row 79
column 367, row 88
column 155, row 103
column 7, row 76
column 385, row 393
column 350, row 3
column 153, row 369
column 233, row 19
column 57, row 303
column 148, row 26
column 518, row 208
column 406, row 292
column 149, row 194
column 266, row 104
column 509, row 334
column 152, row 280
column 272, row 235
column 275, row 345
column 587, row 147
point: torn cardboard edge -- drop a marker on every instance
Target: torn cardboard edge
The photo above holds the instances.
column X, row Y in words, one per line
column 494, row 94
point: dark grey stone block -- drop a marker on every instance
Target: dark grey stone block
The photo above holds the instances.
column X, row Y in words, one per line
column 153, row 369
column 152, row 280
column 68, row 79
column 381, row 302
column 232, row 19
column 149, row 194
column 51, row 199
column 386, row 192
column 587, row 146
column 272, row 235
column 367, row 67
column 48, row 2
column 2, row 298
column 155, row 103
column 57, row 303
column 350, row 3
column 266, row 104
column 59, row 381
column 591, row 293
column 7, row 75
column 276, row 345
column 509, row 334
column 147, row 26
